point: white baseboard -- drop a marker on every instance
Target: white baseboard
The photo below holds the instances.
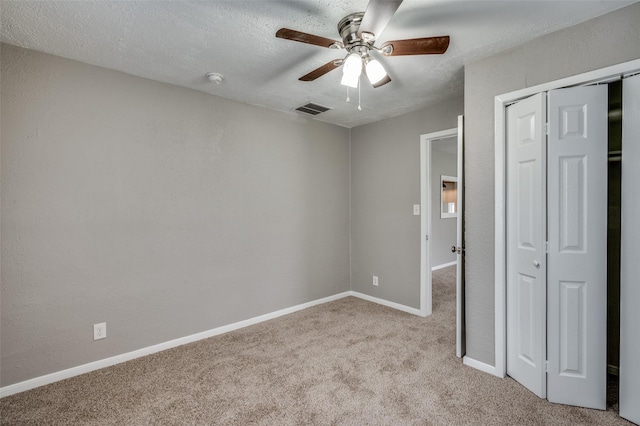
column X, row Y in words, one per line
column 383, row 302
column 117, row 359
column 107, row 362
column 444, row 265
column 480, row 366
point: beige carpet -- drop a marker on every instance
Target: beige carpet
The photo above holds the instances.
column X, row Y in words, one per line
column 344, row 362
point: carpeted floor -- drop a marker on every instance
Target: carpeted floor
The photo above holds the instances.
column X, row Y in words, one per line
column 345, row 362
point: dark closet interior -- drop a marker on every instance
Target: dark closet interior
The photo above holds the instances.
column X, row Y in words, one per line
column 613, row 240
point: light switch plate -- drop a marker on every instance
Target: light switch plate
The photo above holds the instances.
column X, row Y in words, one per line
column 416, row 209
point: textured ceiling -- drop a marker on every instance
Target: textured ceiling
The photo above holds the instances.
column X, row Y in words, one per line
column 178, row 42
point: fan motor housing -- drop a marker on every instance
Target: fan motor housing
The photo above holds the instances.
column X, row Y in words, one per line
column 348, row 29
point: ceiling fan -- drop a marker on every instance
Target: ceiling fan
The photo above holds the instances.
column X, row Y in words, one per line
column 359, row 31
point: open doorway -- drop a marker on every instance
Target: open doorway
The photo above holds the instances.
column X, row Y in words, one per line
column 443, row 202
column 443, row 211
column 442, row 186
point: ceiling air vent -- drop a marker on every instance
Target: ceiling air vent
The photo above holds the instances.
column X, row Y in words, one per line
column 312, row 109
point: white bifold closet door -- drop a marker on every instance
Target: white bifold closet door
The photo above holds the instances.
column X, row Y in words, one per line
column 630, row 253
column 577, row 257
column 526, row 235
column 556, row 245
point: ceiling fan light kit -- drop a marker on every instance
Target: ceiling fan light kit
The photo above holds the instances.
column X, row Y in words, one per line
column 375, row 70
column 351, row 70
column 358, row 32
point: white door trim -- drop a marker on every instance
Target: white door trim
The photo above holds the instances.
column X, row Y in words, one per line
column 426, row 289
column 611, row 73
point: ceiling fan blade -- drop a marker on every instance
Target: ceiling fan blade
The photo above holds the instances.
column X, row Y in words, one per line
column 320, row 71
column 377, row 16
column 306, row 38
column 416, row 46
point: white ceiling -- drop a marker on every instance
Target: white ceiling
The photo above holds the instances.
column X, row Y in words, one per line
column 178, row 42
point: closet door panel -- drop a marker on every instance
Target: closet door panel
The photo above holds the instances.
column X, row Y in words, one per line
column 526, row 264
column 577, row 235
column 630, row 252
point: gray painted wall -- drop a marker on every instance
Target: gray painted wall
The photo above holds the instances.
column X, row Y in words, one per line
column 385, row 183
column 443, row 231
column 604, row 41
column 166, row 212
column 162, row 211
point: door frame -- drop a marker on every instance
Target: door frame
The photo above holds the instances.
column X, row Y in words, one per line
column 426, row 283
column 603, row 75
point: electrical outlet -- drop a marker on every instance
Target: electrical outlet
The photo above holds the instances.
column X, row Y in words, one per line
column 99, row 331
column 375, row 280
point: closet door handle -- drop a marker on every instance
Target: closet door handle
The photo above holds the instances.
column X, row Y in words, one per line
column 536, row 263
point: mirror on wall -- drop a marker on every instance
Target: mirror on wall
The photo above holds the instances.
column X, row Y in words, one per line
column 448, row 196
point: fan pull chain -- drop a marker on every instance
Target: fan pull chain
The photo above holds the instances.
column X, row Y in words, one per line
column 359, row 107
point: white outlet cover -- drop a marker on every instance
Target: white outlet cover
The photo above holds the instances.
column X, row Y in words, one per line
column 375, row 280
column 416, row 209
column 99, row 331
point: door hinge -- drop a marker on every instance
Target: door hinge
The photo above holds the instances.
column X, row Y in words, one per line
column 546, row 246
column 546, row 366
column 546, row 129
